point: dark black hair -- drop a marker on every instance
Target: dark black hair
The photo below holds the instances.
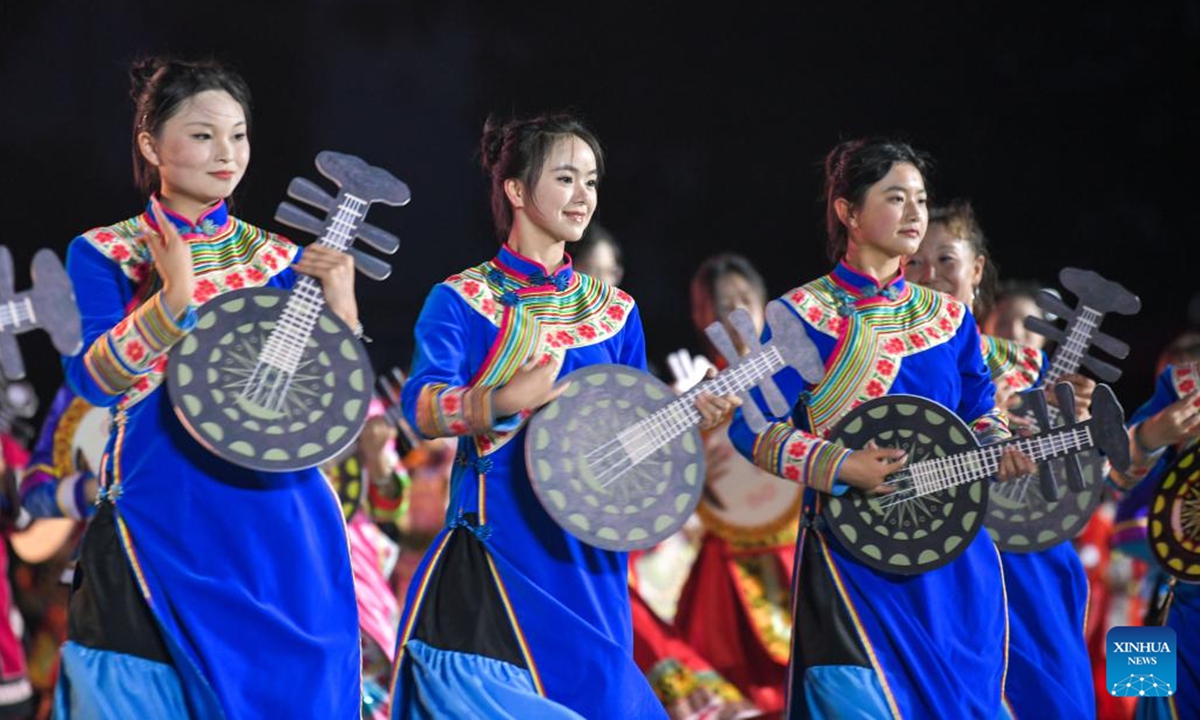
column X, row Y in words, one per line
column 517, row 149
column 160, row 86
column 595, row 235
column 958, row 216
column 851, row 169
column 703, row 289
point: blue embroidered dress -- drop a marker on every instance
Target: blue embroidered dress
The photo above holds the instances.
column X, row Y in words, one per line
column 204, row 589
column 1049, row 670
column 1184, row 614
column 866, row 643
column 508, row 615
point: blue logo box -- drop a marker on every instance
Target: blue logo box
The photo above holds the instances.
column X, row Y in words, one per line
column 1140, row 661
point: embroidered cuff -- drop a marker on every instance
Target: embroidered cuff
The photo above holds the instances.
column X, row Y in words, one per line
column 991, row 427
column 464, row 410
column 799, row 456
column 1142, row 461
column 117, row 358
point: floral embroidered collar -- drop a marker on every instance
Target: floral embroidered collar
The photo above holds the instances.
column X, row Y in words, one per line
column 528, row 272
column 212, row 222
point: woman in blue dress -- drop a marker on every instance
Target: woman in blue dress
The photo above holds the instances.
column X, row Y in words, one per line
column 1049, row 671
column 203, row 589
column 1161, row 429
column 509, row 616
column 865, row 643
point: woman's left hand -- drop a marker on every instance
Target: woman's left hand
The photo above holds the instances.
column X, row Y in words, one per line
column 335, row 270
column 715, row 409
column 1083, row 386
column 1014, row 464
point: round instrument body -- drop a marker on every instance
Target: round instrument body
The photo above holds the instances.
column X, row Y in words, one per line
column 347, row 479
column 602, row 498
column 325, row 403
column 923, row 533
column 1173, row 524
column 1021, row 519
column 745, row 504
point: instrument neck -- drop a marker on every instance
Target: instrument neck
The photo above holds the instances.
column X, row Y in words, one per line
column 1068, row 356
column 17, row 315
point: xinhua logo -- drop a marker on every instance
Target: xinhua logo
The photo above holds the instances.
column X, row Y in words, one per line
column 1140, row 661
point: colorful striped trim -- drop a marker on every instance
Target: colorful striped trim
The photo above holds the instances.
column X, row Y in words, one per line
column 861, row 631
column 991, row 427
column 1014, row 368
column 534, row 321
column 516, row 626
column 414, row 609
column 444, row 411
column 873, row 334
column 1007, row 628
column 118, row 359
column 796, row 455
column 134, row 563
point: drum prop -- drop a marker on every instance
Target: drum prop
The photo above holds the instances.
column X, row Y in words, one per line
column 49, row 304
column 618, row 461
column 1033, row 513
column 270, row 379
column 939, row 500
column 1173, row 524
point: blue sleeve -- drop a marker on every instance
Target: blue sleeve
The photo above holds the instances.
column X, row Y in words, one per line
column 633, row 341
column 977, row 402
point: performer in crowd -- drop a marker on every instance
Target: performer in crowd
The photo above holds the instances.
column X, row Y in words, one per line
column 1166, row 425
column 509, row 615
column 599, row 255
column 371, row 484
column 736, row 608
column 1049, row 671
column 208, row 589
column 16, row 692
column 866, row 642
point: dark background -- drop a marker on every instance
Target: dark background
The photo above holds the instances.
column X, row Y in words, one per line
column 1072, row 129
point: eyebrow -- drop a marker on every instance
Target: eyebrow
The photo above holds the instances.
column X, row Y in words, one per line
column 211, row 125
column 901, row 189
column 572, row 168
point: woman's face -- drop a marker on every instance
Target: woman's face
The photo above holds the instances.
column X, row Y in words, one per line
column 892, row 218
column 201, row 151
column 946, row 263
column 564, row 198
column 1007, row 320
column 732, row 291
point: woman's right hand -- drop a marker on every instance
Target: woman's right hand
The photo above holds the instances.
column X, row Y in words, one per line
column 1178, row 421
column 173, row 262
column 866, row 469
column 530, row 388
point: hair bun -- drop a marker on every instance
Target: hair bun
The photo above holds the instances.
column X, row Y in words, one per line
column 491, row 143
column 142, row 72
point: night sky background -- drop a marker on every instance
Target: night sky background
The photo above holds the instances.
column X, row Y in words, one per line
column 1072, row 129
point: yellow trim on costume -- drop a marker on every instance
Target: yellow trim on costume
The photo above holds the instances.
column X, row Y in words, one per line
column 416, row 609
column 862, row 633
column 1007, row 630
column 127, row 541
column 516, row 626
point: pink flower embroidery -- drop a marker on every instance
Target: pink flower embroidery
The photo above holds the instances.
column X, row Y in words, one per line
column 254, row 275
column 565, row 338
column 798, row 296
column 616, row 313
column 885, row 367
column 105, row 237
column 235, row 281
column 120, row 252
column 954, row 309
column 121, row 328
column 814, row 315
column 791, row 472
column 458, row 427
column 945, row 324
column 450, row 404
column 587, row 332
column 874, row 388
column 205, row 289
column 471, row 288
column 142, row 384
column 488, row 306
column 271, row 262
column 916, row 340
column 135, row 351
column 895, row 346
column 623, row 296
column 797, row 449
column 1187, row 386
column 160, row 364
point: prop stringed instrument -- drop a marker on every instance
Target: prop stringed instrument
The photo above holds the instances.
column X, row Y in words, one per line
column 939, row 500
column 271, row 379
column 617, row 459
column 1037, row 512
column 1173, row 519
column 49, row 304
